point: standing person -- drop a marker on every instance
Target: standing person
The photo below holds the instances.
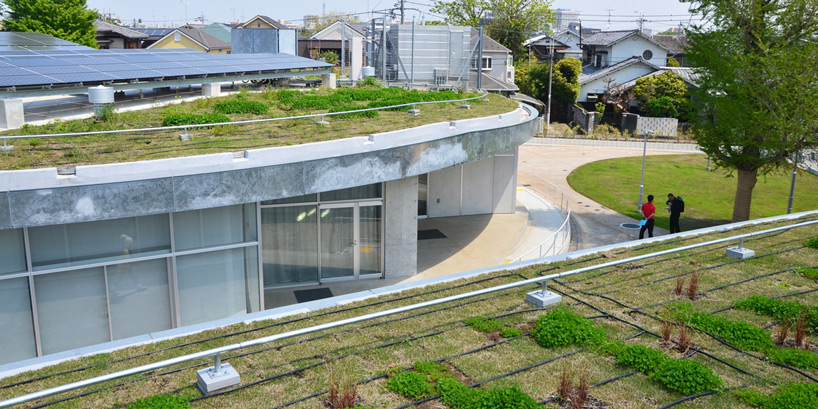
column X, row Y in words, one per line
column 675, row 207
column 648, row 212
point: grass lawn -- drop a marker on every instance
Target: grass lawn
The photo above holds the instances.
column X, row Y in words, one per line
column 130, row 147
column 624, row 301
column 708, row 196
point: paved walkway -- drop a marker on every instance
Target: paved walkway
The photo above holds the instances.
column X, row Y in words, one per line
column 593, row 225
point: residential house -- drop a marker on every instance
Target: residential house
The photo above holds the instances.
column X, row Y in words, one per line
column 676, row 44
column 193, row 38
column 565, row 43
column 496, row 69
column 262, row 34
column 218, row 30
column 617, row 56
column 153, row 34
column 330, row 39
column 111, row 36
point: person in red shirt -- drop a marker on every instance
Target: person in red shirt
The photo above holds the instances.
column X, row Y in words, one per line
column 648, row 212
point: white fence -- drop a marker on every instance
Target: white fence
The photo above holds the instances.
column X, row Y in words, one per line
column 559, row 240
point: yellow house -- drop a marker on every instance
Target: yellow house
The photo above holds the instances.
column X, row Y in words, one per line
column 263, row 22
column 192, row 38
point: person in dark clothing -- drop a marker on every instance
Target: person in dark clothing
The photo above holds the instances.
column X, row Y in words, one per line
column 648, row 212
column 675, row 208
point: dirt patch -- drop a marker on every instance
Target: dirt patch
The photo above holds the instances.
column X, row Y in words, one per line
column 790, row 343
column 590, row 403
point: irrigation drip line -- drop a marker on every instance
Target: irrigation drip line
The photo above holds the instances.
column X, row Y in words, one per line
column 699, row 395
column 279, row 347
column 249, row 330
column 747, row 279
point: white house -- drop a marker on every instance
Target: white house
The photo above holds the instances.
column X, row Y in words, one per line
column 607, row 48
column 593, row 83
column 565, row 43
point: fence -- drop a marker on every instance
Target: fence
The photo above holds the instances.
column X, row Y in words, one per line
column 558, row 241
column 216, row 352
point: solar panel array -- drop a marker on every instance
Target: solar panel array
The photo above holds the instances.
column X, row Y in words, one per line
column 62, row 67
column 16, row 41
column 154, row 32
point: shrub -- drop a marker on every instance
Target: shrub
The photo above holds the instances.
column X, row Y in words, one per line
column 808, row 272
column 411, row 384
column 798, row 358
column 484, row 324
column 370, row 81
column 459, row 396
column 241, row 107
column 784, row 311
column 193, row 119
column 434, row 370
column 686, row 377
column 740, row 334
column 813, row 242
column 641, row 358
column 561, row 327
column 161, row 402
column 789, row 396
column 511, row 332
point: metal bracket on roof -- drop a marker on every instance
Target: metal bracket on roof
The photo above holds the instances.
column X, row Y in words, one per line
column 6, row 147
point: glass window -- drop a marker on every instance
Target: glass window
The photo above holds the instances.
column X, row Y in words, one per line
column 297, row 199
column 361, row 192
column 337, row 242
column 139, row 298
column 290, row 245
column 214, row 227
column 71, row 309
column 17, row 336
column 83, row 243
column 12, row 253
column 215, row 285
column 370, row 243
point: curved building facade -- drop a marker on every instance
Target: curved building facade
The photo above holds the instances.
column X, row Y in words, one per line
column 105, row 253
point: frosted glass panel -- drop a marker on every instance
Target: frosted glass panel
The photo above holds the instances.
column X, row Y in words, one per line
column 290, row 245
column 370, row 246
column 83, row 243
column 213, row 227
column 212, row 285
column 17, row 335
column 12, row 253
column 71, row 309
column 337, row 242
column 139, row 298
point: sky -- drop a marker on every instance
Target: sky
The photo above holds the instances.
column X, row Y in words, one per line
column 660, row 14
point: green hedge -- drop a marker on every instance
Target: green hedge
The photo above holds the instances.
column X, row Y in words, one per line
column 686, row 376
column 641, row 358
column 785, row 311
column 740, row 334
column 798, row 358
column 459, row 396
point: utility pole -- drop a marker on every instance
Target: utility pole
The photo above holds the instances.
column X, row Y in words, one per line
column 550, row 74
column 792, row 185
column 480, row 58
column 402, row 5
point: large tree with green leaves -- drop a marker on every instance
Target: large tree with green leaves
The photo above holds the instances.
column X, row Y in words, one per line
column 758, row 89
column 69, row 20
column 511, row 20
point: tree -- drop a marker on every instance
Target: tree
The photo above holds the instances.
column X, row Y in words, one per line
column 672, row 62
column 70, row 20
column 757, row 86
column 564, row 87
column 511, row 20
column 321, row 22
column 663, row 95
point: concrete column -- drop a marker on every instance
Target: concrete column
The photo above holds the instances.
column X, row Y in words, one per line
column 401, row 226
column 11, row 113
column 211, row 90
column 328, row 80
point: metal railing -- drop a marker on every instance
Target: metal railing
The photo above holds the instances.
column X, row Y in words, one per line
column 249, row 121
column 215, row 353
column 557, row 241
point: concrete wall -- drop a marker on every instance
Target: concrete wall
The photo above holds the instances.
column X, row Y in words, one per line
column 400, row 202
column 39, row 197
column 585, row 120
column 482, row 187
column 660, row 126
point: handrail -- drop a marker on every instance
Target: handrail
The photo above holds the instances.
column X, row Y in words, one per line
column 248, row 121
column 563, row 232
column 216, row 352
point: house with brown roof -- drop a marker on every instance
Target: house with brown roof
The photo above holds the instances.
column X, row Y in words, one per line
column 193, row 38
column 111, row 36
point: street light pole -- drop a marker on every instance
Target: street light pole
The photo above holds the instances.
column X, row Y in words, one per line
column 550, row 74
column 642, row 182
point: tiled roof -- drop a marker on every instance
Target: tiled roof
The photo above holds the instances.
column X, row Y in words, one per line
column 268, row 20
column 676, row 44
column 489, row 44
column 590, row 75
column 206, row 40
column 220, row 31
column 608, row 38
column 103, row 27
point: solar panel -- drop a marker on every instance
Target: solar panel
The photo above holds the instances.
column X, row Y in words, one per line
column 84, row 65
